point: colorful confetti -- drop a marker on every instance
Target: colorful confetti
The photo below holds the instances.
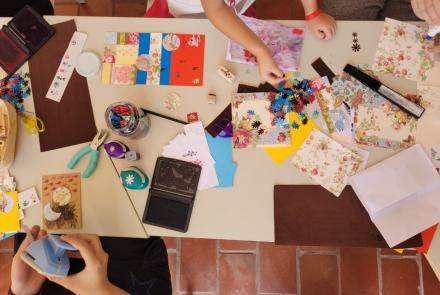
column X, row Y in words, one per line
column 15, row 90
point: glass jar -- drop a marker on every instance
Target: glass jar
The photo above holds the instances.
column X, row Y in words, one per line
column 125, row 119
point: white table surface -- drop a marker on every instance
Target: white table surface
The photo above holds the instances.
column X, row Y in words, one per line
column 243, row 212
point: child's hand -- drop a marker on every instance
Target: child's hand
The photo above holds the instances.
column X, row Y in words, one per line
column 269, row 70
column 323, row 26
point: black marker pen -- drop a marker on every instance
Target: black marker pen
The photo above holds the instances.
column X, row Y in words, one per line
column 386, row 92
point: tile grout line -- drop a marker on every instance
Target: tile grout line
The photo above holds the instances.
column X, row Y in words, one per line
column 398, row 257
column 178, row 262
column 257, row 267
column 298, row 270
column 6, row 251
column 217, row 267
column 421, row 284
column 237, row 251
column 379, row 271
column 338, row 261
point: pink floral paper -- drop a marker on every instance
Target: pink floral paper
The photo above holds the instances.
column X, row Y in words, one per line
column 327, row 162
column 284, row 42
column 402, row 51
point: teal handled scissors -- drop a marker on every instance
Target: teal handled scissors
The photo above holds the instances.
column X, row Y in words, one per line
column 93, row 149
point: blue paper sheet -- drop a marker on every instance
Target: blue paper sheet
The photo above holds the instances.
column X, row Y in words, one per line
column 221, row 151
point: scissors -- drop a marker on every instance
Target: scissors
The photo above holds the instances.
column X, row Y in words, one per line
column 93, row 149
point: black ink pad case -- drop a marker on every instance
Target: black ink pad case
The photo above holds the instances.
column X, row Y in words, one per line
column 172, row 194
column 23, row 36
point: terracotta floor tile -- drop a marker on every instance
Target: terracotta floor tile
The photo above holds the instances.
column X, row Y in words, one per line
column 400, row 277
column 237, row 274
column 266, row 9
column 7, row 244
column 319, row 275
column 96, row 8
column 66, row 9
column 318, row 249
column 172, row 261
column 130, row 9
column 277, row 268
column 237, row 245
column 5, row 272
column 198, row 265
column 392, row 252
column 171, row 243
column 431, row 283
column 359, row 271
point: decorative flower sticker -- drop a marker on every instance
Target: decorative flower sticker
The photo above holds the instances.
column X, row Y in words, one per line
column 129, row 179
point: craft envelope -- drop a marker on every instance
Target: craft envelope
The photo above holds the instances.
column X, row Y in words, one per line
column 297, row 135
column 9, row 216
column 401, row 194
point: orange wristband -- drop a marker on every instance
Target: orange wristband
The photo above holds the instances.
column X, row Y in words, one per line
column 314, row 14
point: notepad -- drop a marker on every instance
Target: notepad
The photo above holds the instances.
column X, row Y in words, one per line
column 400, row 194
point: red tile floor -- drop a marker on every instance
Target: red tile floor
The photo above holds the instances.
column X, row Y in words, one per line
column 241, row 268
column 248, row 268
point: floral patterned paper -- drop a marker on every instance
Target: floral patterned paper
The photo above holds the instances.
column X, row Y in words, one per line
column 377, row 122
column 284, row 42
column 403, row 51
column 327, row 162
column 254, row 125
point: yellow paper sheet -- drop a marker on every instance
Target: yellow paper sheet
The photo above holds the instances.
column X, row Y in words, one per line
column 9, row 217
column 281, row 154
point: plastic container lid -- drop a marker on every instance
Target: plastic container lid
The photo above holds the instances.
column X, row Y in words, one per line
column 88, row 64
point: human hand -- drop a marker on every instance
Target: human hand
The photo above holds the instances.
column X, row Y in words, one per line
column 428, row 10
column 94, row 275
column 323, row 26
column 269, row 70
column 24, row 279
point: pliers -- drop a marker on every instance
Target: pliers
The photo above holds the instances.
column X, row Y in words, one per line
column 93, row 149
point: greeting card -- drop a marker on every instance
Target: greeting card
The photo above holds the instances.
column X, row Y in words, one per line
column 326, row 161
column 284, row 42
column 403, row 52
column 9, row 216
column 254, row 125
column 62, row 201
column 153, row 59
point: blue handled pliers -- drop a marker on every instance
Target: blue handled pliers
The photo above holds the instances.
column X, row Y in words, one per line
column 93, row 149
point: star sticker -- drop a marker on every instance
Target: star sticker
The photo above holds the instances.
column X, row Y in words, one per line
column 356, row 47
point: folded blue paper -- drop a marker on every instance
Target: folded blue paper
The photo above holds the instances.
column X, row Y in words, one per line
column 221, row 151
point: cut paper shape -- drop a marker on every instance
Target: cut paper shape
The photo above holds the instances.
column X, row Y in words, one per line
column 403, row 51
column 408, row 203
column 297, row 135
column 9, row 215
column 326, row 161
column 284, row 42
column 427, row 237
column 254, row 125
column 193, row 147
column 142, row 58
column 28, row 198
column 62, row 201
column 221, row 151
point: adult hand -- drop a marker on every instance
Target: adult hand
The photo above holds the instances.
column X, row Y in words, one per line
column 269, row 70
column 428, row 10
column 94, row 276
column 323, row 26
column 24, row 279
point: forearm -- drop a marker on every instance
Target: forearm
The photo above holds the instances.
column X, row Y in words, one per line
column 309, row 6
column 225, row 19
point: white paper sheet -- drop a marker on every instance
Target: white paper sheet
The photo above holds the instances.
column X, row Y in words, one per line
column 401, row 194
column 433, row 255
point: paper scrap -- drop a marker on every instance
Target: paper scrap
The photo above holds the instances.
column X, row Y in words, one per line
column 28, row 198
